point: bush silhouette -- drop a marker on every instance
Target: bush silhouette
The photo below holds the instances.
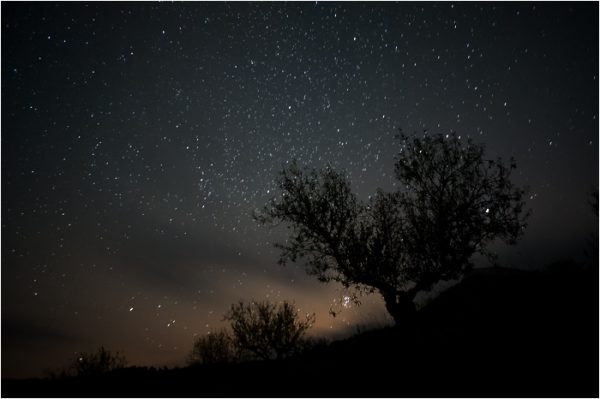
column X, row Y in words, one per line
column 213, row 348
column 266, row 330
column 451, row 203
column 94, row 364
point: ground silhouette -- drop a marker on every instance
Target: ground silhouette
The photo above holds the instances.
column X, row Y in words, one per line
column 500, row 332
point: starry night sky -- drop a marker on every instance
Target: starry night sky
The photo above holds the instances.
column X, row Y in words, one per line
column 138, row 138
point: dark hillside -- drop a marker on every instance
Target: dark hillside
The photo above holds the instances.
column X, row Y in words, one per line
column 500, row 332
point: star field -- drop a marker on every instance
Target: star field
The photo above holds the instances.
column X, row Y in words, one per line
column 138, row 138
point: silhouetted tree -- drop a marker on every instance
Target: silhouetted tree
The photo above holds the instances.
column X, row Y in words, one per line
column 268, row 330
column 213, row 348
column 93, row 364
column 451, row 204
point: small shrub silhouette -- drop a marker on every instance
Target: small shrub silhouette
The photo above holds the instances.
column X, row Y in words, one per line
column 212, row 349
column 94, row 364
column 268, row 331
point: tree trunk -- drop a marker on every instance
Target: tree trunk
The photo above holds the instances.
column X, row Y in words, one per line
column 400, row 306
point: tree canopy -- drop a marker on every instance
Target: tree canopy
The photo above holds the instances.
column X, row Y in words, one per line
column 451, row 203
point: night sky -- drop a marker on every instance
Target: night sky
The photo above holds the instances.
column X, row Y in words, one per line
column 138, row 138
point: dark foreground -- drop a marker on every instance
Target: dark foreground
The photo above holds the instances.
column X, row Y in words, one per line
column 498, row 333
